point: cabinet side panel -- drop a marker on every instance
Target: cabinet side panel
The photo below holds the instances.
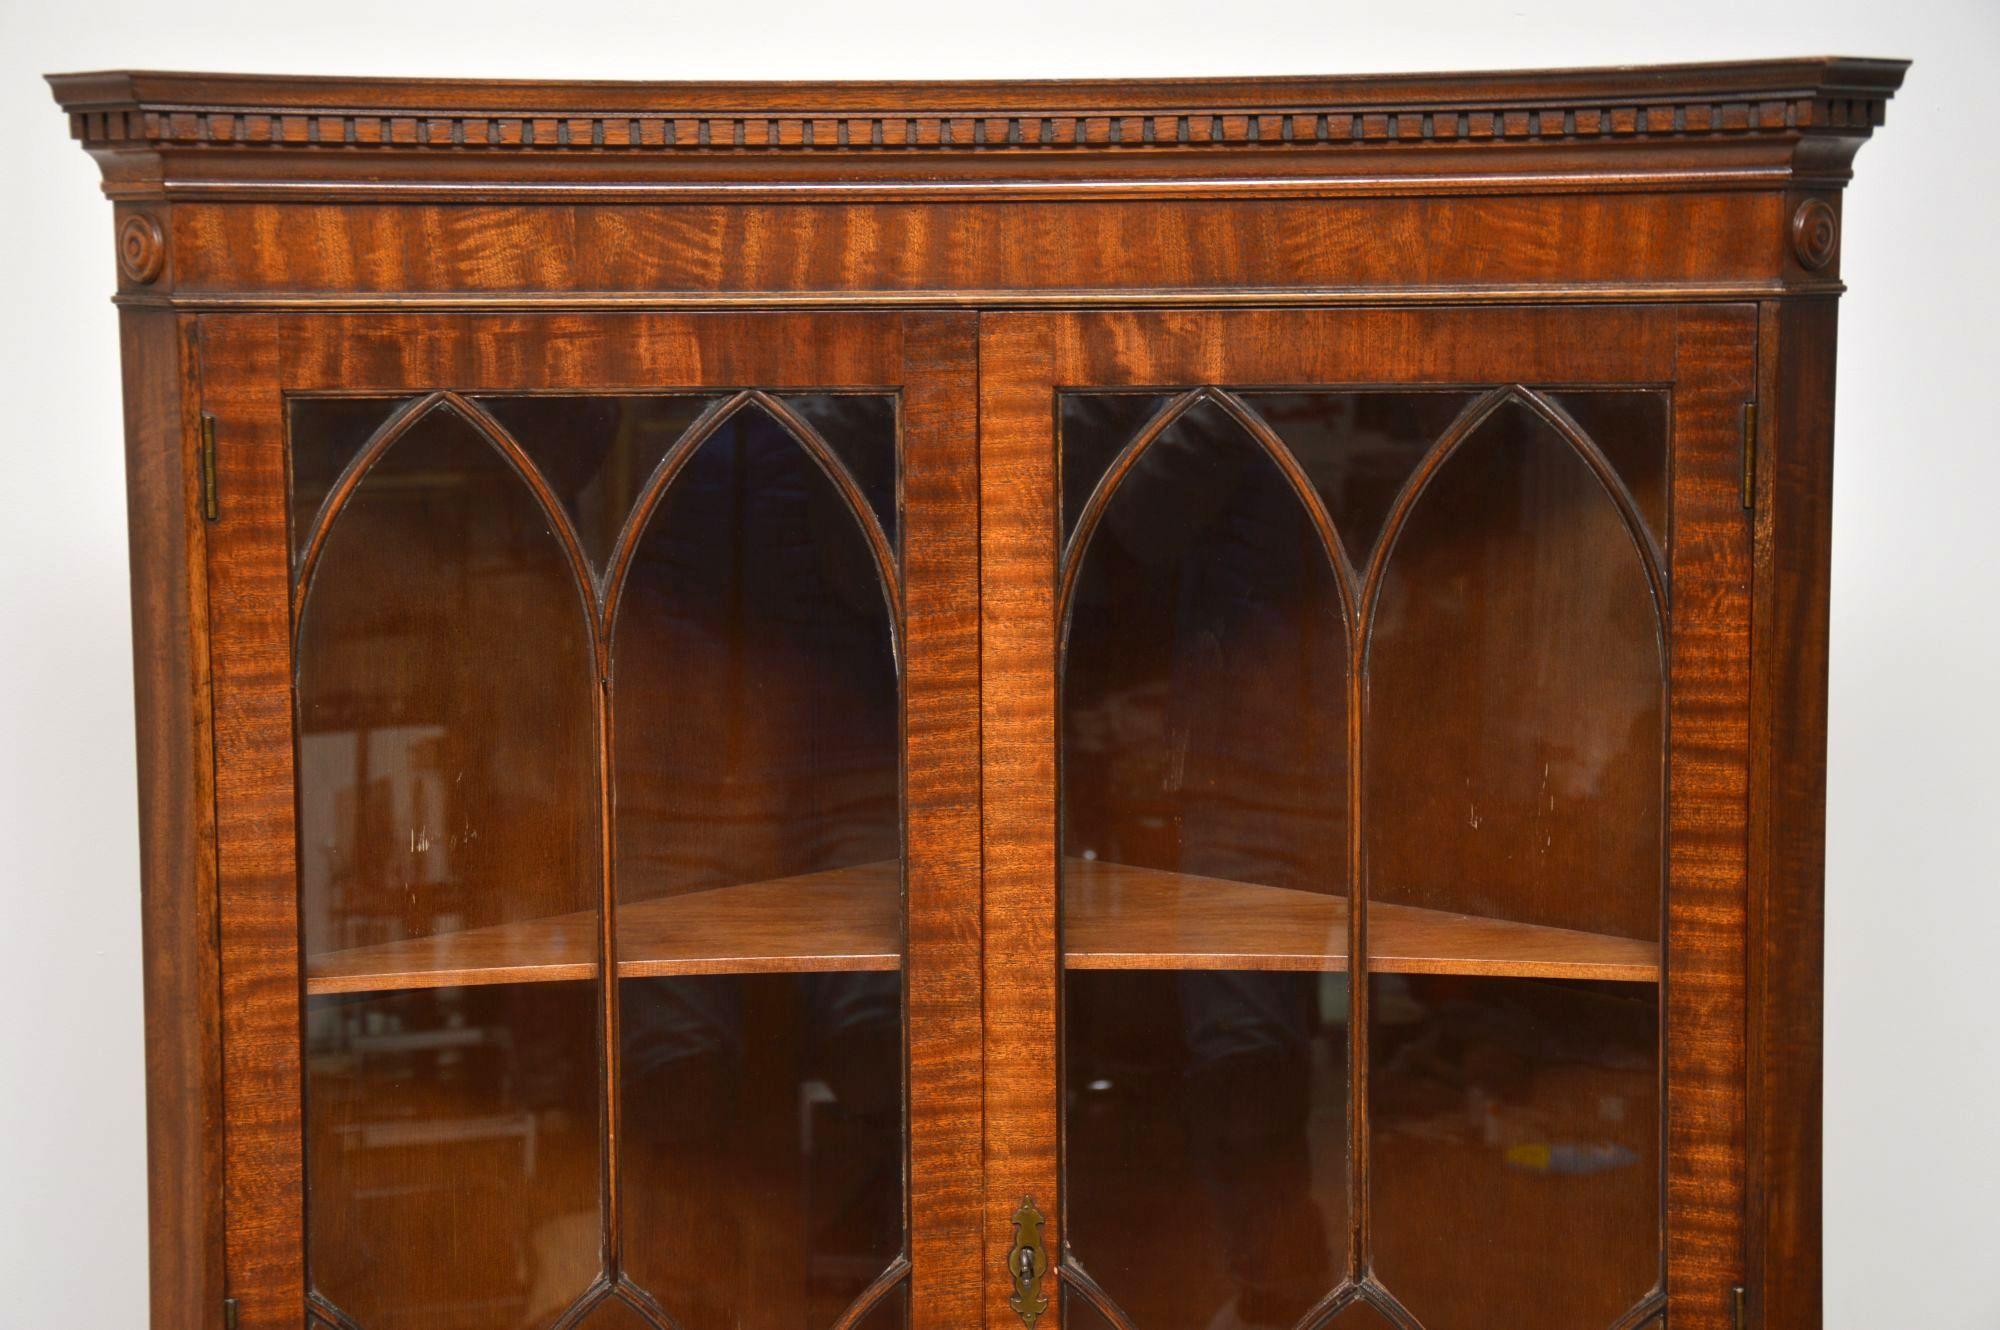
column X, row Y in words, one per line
column 1708, row 777
column 257, row 858
column 941, row 732
column 1788, row 812
column 176, row 818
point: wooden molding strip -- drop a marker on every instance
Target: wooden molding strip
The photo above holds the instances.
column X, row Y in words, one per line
column 1842, row 98
column 496, row 302
column 1759, row 125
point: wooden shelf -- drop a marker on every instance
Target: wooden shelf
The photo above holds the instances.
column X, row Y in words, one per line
column 1125, row 918
column 842, row 920
column 1118, row 918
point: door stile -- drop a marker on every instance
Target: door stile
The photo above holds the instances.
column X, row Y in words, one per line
column 1018, row 571
column 1708, row 816
column 941, row 756
column 250, row 616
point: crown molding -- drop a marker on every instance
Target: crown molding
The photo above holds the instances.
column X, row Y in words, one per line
column 1721, row 124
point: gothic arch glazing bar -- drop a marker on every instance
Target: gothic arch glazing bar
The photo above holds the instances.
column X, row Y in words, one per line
column 1512, row 755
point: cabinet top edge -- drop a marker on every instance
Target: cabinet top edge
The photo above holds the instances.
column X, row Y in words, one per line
column 1761, row 123
column 1753, row 80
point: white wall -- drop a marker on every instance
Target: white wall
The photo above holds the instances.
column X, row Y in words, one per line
column 1912, row 1141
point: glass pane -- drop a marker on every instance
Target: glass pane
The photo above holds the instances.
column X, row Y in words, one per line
column 892, row 1313
column 1514, row 746
column 1360, row 1316
column 1079, row 1313
column 1359, row 448
column 448, row 837
column 327, row 434
column 1204, row 890
column 616, row 1314
column 597, row 453
column 1095, row 429
column 758, row 842
column 1515, row 686
column 1515, row 1145
column 452, row 1153
column 860, row 428
column 1630, row 428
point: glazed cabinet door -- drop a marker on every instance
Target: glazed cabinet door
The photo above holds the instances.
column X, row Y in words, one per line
column 1366, row 774
column 597, row 782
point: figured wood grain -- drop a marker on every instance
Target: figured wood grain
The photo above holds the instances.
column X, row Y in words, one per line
column 936, row 249
column 1708, row 762
column 1118, row 917
column 1789, row 627
column 411, row 228
column 1115, row 917
column 1702, row 355
column 1018, row 533
column 176, row 816
column 256, row 835
column 843, row 920
column 942, row 980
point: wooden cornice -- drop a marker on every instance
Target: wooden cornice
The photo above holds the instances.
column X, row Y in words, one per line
column 1754, row 124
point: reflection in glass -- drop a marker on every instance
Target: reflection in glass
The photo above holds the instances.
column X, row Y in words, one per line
column 762, row 1154
column 1359, row 448
column 1515, row 683
column 860, row 429
column 1205, row 1140
column 446, row 783
column 1204, row 738
column 756, row 716
column 1095, row 429
column 451, row 1154
column 327, row 434
column 447, row 732
column 1204, row 680
column 1629, row 426
column 1514, row 745
column 596, row 453
column 1515, row 1149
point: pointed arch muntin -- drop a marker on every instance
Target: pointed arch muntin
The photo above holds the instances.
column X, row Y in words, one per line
column 1377, row 1295
column 1643, row 1311
column 1321, row 1313
column 865, row 1302
column 1653, row 561
column 617, row 568
column 643, row 1303
column 322, row 1310
column 1265, row 439
column 1069, row 572
column 611, row 602
column 1651, row 557
column 495, row 435
column 1070, row 1271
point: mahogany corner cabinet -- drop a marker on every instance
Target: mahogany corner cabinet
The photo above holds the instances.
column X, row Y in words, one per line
column 1188, row 705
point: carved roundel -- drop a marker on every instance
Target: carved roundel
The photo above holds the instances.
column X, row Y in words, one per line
column 142, row 248
column 1815, row 233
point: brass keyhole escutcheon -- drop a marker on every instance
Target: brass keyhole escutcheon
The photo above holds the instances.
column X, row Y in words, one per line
column 1027, row 1263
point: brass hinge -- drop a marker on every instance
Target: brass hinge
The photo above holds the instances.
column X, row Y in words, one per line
column 208, row 506
column 1749, row 454
column 229, row 1310
column 1739, row 1301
